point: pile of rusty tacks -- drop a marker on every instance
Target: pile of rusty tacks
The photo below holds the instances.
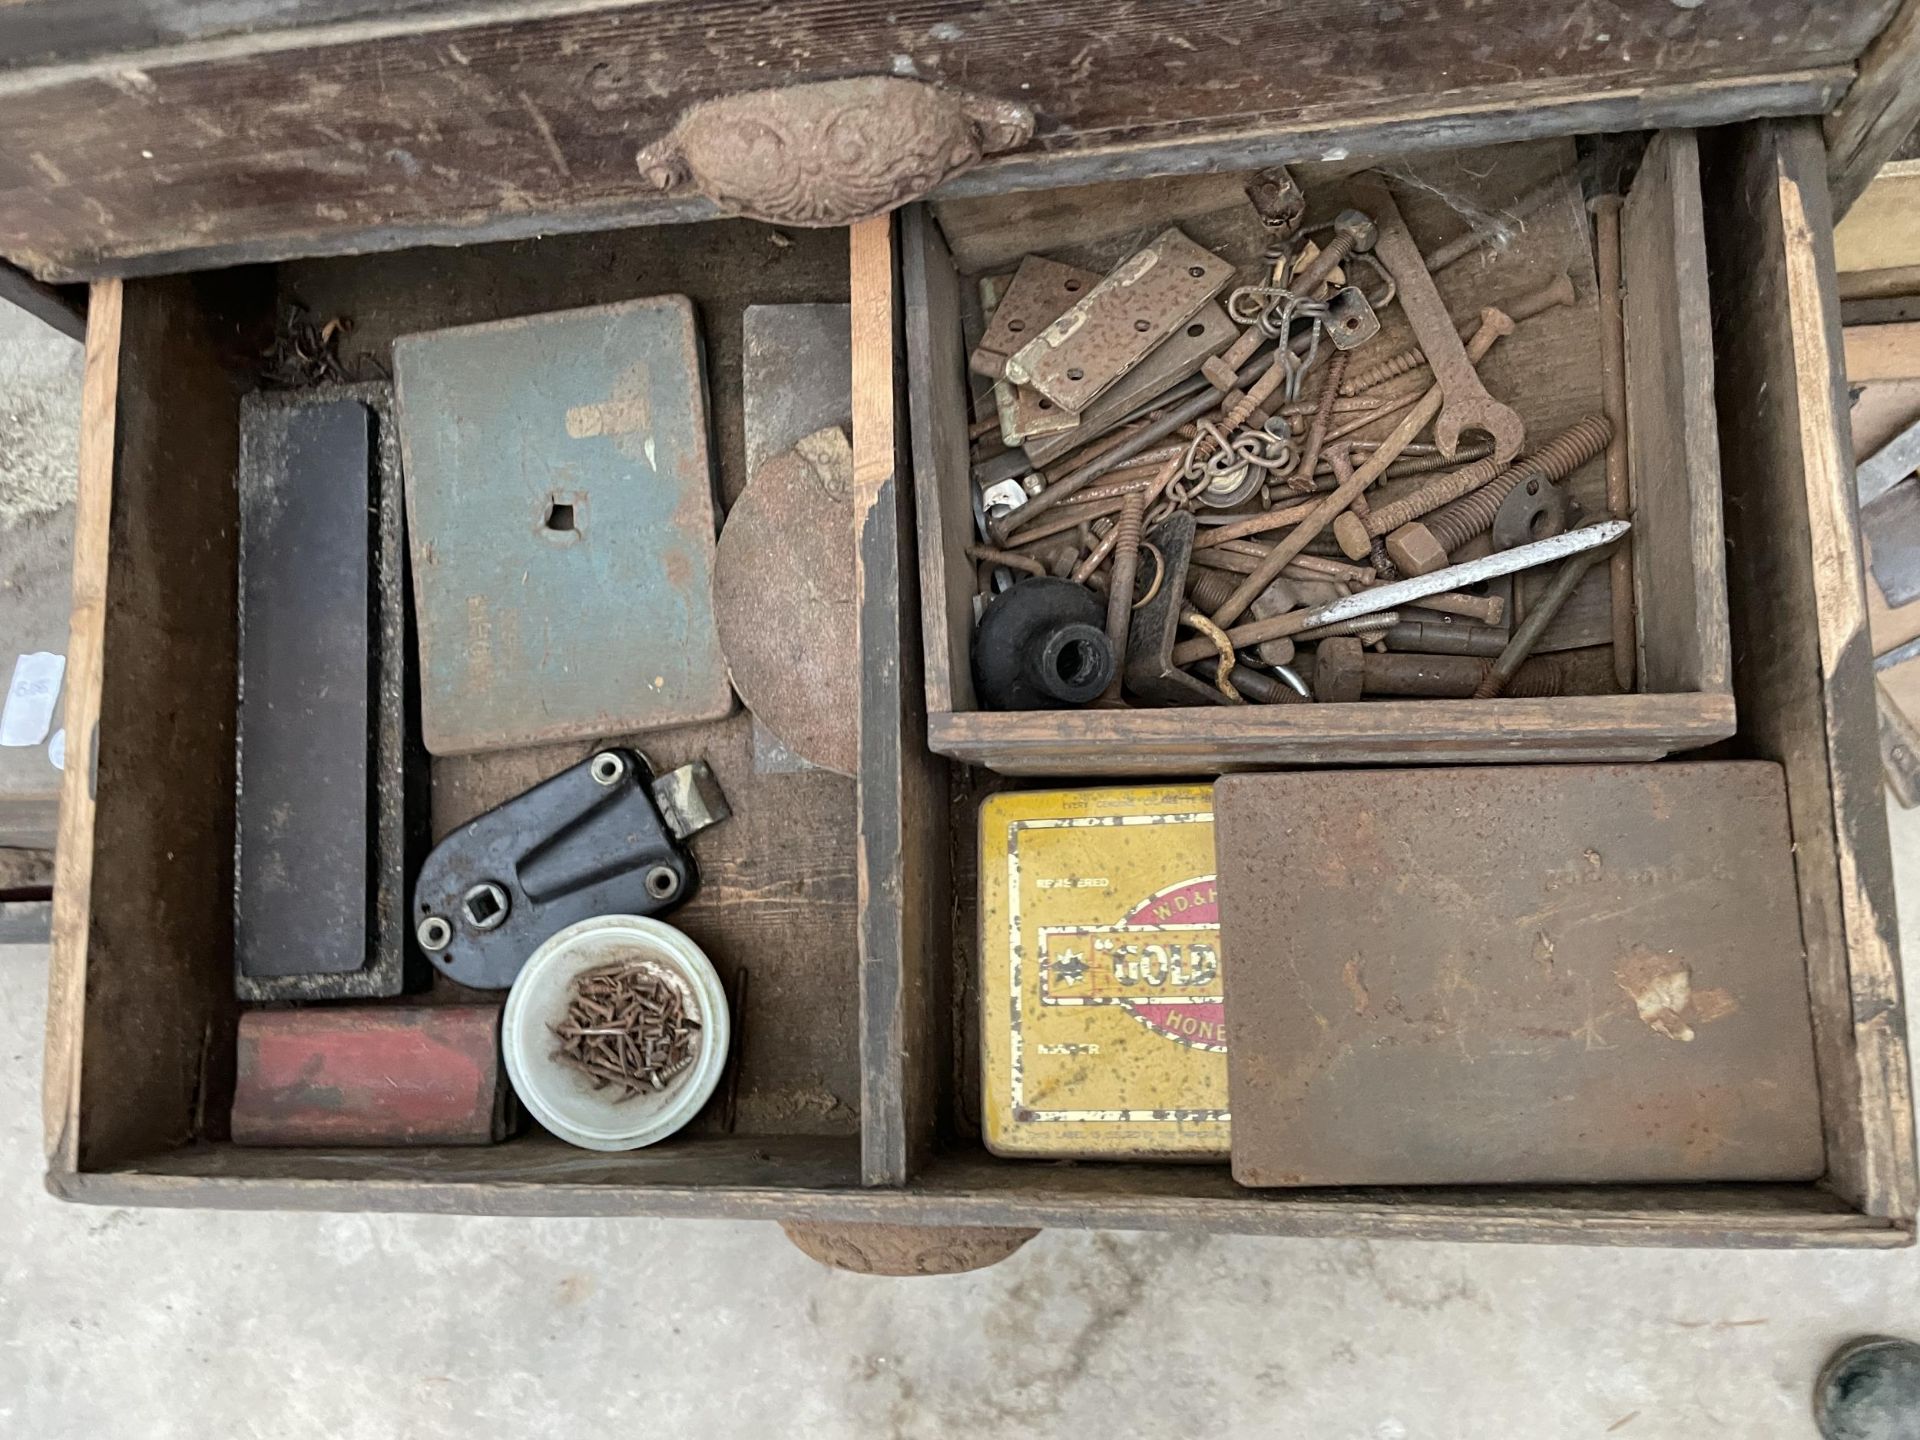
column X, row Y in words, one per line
column 1271, row 501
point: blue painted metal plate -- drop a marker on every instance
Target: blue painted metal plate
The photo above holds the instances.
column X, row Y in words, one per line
column 561, row 516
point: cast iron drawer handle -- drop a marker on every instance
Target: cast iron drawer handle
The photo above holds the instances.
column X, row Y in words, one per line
column 833, row 152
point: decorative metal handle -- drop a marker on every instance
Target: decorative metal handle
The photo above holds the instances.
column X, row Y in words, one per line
column 833, row 152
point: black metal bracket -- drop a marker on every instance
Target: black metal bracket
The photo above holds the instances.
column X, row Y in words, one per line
column 603, row 837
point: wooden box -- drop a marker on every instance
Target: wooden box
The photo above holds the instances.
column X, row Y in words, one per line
column 1548, row 370
column 862, row 934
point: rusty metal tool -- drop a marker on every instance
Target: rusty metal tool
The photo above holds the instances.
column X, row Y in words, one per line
column 1483, row 609
column 1151, row 670
column 1111, row 458
column 1111, row 329
column 1613, row 382
column 1352, row 230
column 1423, row 545
column 1533, row 510
column 1254, row 685
column 1126, row 560
column 1467, row 405
column 1040, row 292
column 1446, row 637
column 1411, row 590
column 1023, row 413
column 1527, row 634
column 1280, row 203
column 1515, row 974
column 1356, row 534
column 1493, row 324
column 1341, row 672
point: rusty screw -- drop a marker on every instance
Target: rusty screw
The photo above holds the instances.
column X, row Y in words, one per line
column 1421, row 546
column 1126, row 562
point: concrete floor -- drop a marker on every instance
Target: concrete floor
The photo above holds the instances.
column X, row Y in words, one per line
column 159, row 1324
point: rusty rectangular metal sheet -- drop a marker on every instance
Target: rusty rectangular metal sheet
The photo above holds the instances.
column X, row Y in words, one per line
column 796, row 375
column 1102, row 1034
column 1529, row 974
column 1025, row 413
column 1147, row 298
column 1176, row 358
column 561, row 514
column 371, row 1075
column 1040, row 292
column 796, row 378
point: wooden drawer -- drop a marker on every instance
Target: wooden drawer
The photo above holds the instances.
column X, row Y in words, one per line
column 1679, row 587
column 170, row 135
column 141, row 1021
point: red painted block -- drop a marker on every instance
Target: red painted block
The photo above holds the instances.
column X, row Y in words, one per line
column 371, row 1075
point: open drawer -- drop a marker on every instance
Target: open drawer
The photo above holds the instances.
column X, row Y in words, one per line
column 867, row 957
column 142, row 1041
column 1549, row 370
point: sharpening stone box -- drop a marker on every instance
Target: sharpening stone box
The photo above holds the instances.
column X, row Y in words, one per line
column 1103, row 1033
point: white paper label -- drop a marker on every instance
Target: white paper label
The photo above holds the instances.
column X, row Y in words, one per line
column 31, row 697
column 57, row 749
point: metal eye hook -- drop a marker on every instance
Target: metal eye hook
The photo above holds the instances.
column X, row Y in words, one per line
column 1379, row 301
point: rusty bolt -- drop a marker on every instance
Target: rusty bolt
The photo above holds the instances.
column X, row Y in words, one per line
column 1443, row 637
column 1358, row 533
column 1415, row 550
column 1339, row 670
column 1422, row 546
column 1342, row 672
column 1356, row 227
column 1208, row 588
column 1352, row 230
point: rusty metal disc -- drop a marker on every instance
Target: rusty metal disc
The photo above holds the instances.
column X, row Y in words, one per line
column 783, row 596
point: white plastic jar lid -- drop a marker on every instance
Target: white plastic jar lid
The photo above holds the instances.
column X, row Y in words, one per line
column 563, row 1099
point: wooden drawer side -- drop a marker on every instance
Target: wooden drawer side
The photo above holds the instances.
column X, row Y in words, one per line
column 1803, row 668
column 141, row 1007
column 1680, row 601
column 903, row 787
